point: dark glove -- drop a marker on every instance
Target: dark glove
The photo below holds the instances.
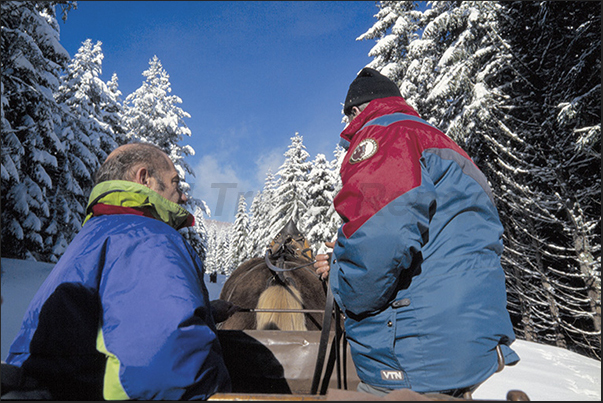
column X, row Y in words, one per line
column 222, row 310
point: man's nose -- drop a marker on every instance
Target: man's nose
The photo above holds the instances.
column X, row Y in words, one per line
column 183, row 198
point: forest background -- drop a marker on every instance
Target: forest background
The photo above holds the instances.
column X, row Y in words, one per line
column 516, row 83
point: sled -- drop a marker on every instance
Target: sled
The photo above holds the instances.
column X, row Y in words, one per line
column 270, row 365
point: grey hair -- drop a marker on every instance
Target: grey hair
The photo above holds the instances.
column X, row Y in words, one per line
column 361, row 107
column 123, row 162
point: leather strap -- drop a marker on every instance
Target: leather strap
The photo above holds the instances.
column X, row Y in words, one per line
column 272, row 267
column 334, row 356
column 324, row 340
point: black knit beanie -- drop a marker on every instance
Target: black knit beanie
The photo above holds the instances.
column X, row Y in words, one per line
column 369, row 85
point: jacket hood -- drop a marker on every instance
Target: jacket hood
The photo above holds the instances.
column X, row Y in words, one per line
column 135, row 196
column 377, row 108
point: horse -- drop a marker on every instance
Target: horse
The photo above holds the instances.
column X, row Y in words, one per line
column 280, row 291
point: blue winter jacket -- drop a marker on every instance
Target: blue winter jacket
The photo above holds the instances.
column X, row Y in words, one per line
column 125, row 313
column 416, row 266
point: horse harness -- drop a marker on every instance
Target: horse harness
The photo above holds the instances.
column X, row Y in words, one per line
column 289, row 247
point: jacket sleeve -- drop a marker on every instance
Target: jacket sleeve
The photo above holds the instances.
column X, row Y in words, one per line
column 386, row 203
column 157, row 332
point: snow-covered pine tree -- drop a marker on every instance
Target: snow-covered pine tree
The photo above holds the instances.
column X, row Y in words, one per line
column 332, row 218
column 240, row 245
column 90, row 102
column 152, row 115
column 254, row 224
column 397, row 26
column 112, row 110
column 211, row 256
column 197, row 234
column 338, row 156
column 321, row 190
column 445, row 71
column 553, row 185
column 87, row 139
column 290, row 194
column 261, row 210
column 32, row 58
column 224, row 264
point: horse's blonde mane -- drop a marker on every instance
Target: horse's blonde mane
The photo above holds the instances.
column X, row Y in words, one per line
column 279, row 297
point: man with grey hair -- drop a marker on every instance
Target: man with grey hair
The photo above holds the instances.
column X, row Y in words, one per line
column 125, row 313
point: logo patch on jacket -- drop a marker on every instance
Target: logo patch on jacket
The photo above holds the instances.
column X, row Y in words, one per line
column 392, row 375
column 365, row 150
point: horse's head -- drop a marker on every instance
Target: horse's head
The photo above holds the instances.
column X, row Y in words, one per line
column 288, row 251
column 280, row 294
column 290, row 244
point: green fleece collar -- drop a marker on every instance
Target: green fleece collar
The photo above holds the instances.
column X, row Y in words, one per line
column 134, row 195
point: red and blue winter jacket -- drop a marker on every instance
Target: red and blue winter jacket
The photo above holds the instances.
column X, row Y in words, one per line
column 125, row 313
column 416, row 266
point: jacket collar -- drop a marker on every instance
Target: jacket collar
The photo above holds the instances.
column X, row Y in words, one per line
column 377, row 108
column 125, row 196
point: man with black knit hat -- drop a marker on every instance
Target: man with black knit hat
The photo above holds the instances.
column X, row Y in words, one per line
column 369, row 85
column 416, row 264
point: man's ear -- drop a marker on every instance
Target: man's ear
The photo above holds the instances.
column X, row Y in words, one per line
column 142, row 176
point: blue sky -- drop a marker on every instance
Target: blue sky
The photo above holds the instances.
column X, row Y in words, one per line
column 250, row 74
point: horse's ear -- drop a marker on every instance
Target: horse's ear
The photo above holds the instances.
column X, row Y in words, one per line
column 274, row 245
column 306, row 252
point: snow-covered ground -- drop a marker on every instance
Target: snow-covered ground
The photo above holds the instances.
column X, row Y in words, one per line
column 545, row 373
